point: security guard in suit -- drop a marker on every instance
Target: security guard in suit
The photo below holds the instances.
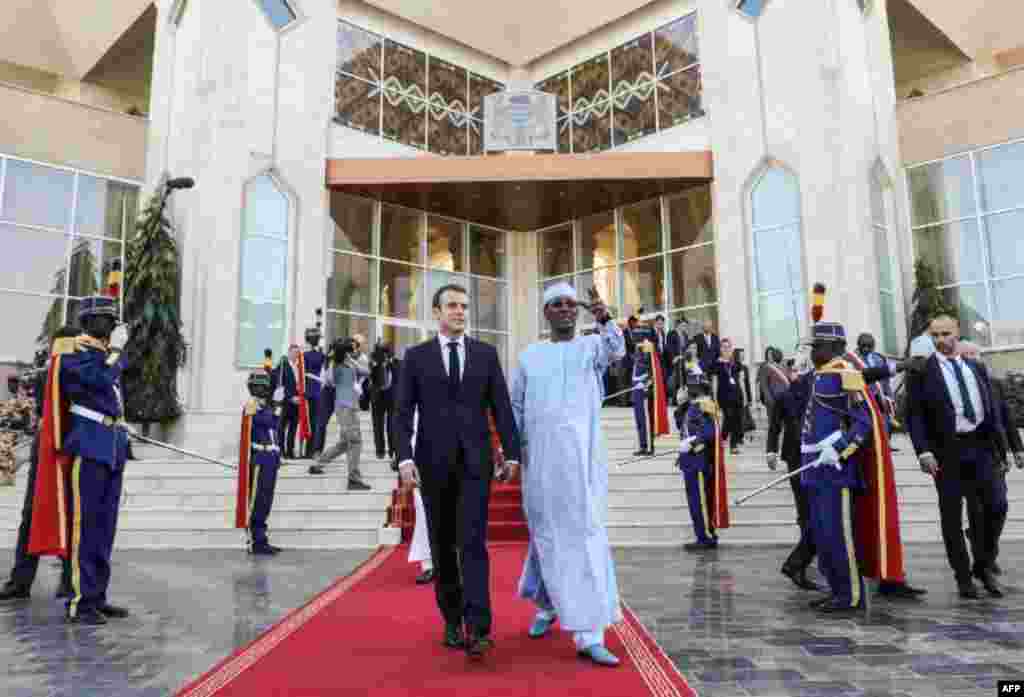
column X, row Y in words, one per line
column 698, row 436
column 836, row 423
column 97, row 442
column 313, row 359
column 263, row 461
column 642, row 395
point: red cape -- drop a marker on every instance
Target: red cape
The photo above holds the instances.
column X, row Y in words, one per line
column 720, row 512
column 48, row 534
column 661, row 427
column 877, row 517
column 243, row 492
column 304, row 430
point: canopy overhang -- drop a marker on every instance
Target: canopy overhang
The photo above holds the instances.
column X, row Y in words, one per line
column 520, row 191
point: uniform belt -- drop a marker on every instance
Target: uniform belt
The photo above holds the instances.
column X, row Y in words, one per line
column 92, row 415
column 265, row 448
column 315, row 377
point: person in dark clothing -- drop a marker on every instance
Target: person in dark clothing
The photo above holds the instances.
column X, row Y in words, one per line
column 23, row 573
column 729, row 395
column 382, row 393
column 743, row 377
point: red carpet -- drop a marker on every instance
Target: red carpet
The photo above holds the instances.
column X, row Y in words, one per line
column 505, row 519
column 376, row 632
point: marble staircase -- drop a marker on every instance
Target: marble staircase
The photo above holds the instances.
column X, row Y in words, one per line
column 175, row 502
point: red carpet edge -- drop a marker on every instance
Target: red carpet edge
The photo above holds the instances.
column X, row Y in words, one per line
column 225, row 671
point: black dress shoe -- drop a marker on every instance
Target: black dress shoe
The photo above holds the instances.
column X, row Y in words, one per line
column 453, row 636
column 425, row 578
column 818, row 602
column 113, row 611
column 12, row 591
column 989, row 581
column 799, row 577
column 90, row 616
column 263, row 551
column 968, row 590
column 477, row 646
column 316, row 469
column 899, row 589
column 381, row 456
column 640, row 453
column 831, row 606
column 995, row 569
column 650, row 451
column 700, row 546
column 356, row 485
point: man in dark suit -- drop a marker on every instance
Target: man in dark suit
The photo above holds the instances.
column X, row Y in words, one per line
column 286, row 391
column 708, row 348
column 453, row 380
column 675, row 345
column 957, row 433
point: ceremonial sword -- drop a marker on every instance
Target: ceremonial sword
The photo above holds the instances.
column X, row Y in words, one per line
column 775, row 482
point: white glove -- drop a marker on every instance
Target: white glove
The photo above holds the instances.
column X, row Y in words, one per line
column 279, row 394
column 119, row 337
column 828, row 456
column 773, row 461
column 687, row 445
column 130, row 430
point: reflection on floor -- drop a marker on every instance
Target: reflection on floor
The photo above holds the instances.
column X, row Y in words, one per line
column 731, row 622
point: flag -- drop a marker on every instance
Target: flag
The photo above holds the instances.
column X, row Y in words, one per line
column 304, row 430
column 243, row 492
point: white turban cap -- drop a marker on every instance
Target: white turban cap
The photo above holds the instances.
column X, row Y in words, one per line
column 559, row 290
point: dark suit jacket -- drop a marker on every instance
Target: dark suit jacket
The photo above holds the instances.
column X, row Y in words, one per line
column 730, row 392
column 932, row 419
column 284, row 376
column 707, row 353
column 676, row 344
column 444, row 423
column 787, row 420
column 1012, row 433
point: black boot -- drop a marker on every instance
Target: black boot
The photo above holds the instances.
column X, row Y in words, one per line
column 13, row 591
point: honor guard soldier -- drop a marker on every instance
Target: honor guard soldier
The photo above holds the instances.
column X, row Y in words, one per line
column 702, row 462
column 97, row 443
column 313, row 363
column 259, row 458
column 643, row 384
column 836, row 423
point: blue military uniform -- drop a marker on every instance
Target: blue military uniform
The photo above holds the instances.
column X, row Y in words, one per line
column 98, row 446
column 264, row 459
column 837, row 421
column 698, row 433
column 314, row 362
column 643, row 380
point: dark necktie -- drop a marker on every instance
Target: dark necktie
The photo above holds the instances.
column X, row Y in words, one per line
column 965, row 396
column 453, row 367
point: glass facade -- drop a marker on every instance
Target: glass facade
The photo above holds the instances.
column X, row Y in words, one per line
column 405, row 95
column 386, row 262
column 63, row 233
column 657, row 256
column 648, row 84
column 967, row 216
column 779, row 300
column 886, row 275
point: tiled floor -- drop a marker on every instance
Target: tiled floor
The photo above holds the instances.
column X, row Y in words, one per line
column 733, row 625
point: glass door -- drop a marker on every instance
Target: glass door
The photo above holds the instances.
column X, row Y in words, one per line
column 401, row 334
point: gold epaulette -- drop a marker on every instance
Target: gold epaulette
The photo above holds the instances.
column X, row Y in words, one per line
column 647, row 347
column 64, row 345
column 84, row 342
column 251, row 407
column 708, row 406
column 853, row 379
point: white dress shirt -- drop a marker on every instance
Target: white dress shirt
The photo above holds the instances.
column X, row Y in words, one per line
column 444, row 341
column 953, row 389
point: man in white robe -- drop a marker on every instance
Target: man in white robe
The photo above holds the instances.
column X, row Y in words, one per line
column 557, row 392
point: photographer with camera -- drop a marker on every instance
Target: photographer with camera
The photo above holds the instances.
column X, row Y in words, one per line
column 346, row 365
column 382, row 380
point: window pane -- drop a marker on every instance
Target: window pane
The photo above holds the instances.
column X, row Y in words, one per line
column 558, row 85
column 486, row 251
column 941, row 191
column 101, row 205
column 953, row 251
column 778, row 320
column 1008, row 323
column 488, row 305
column 405, row 119
column 449, row 85
column 675, row 44
column 498, row 341
column 643, row 286
column 555, row 251
column 972, row 302
column 444, row 244
column 775, row 199
column 91, row 263
column 605, row 281
column 446, row 132
column 589, row 83
column 889, row 333
column 480, row 87
column 689, row 217
column 1001, row 171
column 33, row 259
column 1006, row 242
column 591, row 128
column 400, row 338
column 37, row 195
column 30, row 321
column 353, row 223
column 264, row 269
column 641, row 229
column 266, row 209
column 260, row 327
column 358, row 52
column 401, row 290
column 597, row 240
column 693, row 320
column 884, row 257
column 350, row 285
column 401, row 230
column 342, row 326
column 277, row 12
column 693, row 276
column 680, row 97
column 357, row 104
column 777, row 259
column 405, row 69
